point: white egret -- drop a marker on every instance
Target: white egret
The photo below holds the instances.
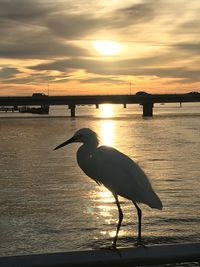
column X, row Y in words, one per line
column 117, row 172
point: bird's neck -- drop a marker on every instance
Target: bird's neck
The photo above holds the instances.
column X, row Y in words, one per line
column 85, row 159
column 88, row 149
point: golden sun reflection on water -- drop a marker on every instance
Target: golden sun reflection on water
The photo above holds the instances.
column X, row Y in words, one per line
column 106, row 196
column 112, row 233
column 106, row 111
column 106, row 202
column 107, row 131
column 107, row 205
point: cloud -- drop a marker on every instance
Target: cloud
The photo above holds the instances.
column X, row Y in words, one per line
column 191, row 47
column 25, row 10
column 77, row 25
column 73, row 26
column 137, row 67
column 43, row 29
column 131, row 15
column 89, row 65
column 109, row 66
column 58, row 32
column 7, row 72
column 189, row 27
column 102, row 80
column 177, row 73
column 25, row 32
column 36, row 78
column 38, row 45
column 21, row 41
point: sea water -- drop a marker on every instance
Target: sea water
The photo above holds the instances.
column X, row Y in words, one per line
column 47, row 204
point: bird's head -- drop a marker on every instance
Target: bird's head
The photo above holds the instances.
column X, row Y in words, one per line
column 84, row 135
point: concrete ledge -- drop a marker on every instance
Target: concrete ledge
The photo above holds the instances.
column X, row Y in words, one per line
column 150, row 255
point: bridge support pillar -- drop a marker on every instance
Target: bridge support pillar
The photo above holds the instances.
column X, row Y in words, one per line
column 97, row 106
column 124, row 105
column 147, row 109
column 15, row 107
column 72, row 108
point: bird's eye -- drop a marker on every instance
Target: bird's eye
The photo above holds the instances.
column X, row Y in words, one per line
column 79, row 136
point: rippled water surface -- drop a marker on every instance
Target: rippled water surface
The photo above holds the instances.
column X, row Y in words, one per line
column 49, row 205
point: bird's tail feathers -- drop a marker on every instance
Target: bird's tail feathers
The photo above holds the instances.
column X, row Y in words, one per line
column 155, row 202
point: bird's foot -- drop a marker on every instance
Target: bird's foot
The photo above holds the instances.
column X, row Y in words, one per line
column 112, row 248
column 139, row 244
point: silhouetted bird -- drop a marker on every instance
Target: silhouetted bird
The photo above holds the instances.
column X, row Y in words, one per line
column 117, row 172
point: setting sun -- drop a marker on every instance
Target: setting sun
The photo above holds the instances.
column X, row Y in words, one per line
column 107, row 48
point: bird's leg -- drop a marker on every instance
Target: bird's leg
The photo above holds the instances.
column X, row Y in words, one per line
column 139, row 213
column 119, row 222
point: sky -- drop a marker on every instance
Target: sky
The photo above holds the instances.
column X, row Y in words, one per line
column 48, row 46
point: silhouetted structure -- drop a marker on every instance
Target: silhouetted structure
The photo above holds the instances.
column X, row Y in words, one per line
column 145, row 99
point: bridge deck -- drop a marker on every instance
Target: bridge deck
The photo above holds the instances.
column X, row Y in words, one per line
column 147, row 100
column 98, row 99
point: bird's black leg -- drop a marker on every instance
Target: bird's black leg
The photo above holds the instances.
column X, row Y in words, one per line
column 119, row 222
column 139, row 213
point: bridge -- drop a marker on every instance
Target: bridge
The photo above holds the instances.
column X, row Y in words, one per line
column 142, row 98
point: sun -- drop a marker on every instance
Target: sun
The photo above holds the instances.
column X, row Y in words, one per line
column 107, row 48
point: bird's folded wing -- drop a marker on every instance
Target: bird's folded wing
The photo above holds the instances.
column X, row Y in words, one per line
column 120, row 174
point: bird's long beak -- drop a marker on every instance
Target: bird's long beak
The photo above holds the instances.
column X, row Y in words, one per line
column 69, row 141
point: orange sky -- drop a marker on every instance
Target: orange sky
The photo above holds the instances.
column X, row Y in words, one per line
column 48, row 46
